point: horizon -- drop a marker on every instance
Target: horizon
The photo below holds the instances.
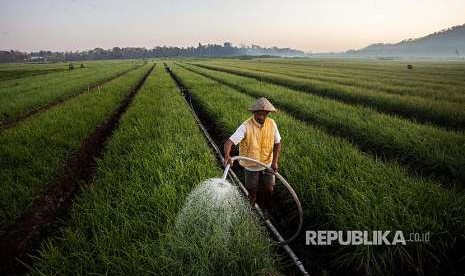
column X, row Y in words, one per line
column 330, row 26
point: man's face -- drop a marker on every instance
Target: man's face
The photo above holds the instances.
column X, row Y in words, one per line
column 260, row 116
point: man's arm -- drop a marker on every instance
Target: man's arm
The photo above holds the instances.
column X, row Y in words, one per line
column 227, row 151
column 276, row 148
column 276, row 152
column 235, row 139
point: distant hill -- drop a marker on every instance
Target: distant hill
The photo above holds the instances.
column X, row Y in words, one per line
column 446, row 43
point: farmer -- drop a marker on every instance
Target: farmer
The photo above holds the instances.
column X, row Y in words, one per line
column 259, row 139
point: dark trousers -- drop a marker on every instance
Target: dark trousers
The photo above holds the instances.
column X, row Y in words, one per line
column 260, row 185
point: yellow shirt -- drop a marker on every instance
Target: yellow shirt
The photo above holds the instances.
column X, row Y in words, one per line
column 256, row 141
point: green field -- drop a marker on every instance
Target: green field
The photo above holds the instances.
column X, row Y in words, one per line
column 367, row 145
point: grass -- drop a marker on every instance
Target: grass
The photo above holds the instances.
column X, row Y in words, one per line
column 31, row 154
column 443, row 114
column 21, row 73
column 428, row 80
column 432, row 72
column 342, row 188
column 124, row 223
column 10, row 71
column 18, row 97
column 423, row 149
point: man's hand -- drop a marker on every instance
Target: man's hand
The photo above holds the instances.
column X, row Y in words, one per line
column 227, row 160
column 274, row 166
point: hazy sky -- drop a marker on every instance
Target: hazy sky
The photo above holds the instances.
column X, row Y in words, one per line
column 312, row 25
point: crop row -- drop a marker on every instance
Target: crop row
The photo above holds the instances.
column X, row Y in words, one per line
column 402, row 85
column 451, row 71
column 32, row 153
column 26, row 71
column 125, row 223
column 344, row 189
column 444, row 114
column 422, row 148
column 12, row 71
column 28, row 94
column 23, row 73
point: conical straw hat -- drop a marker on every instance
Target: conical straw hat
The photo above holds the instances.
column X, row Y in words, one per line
column 262, row 104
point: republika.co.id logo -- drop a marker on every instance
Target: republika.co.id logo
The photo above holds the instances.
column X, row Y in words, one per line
column 329, row 237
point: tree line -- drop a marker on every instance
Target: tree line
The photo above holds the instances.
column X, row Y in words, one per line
column 208, row 50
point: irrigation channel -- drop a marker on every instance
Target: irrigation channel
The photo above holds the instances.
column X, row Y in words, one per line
column 223, row 187
column 20, row 241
